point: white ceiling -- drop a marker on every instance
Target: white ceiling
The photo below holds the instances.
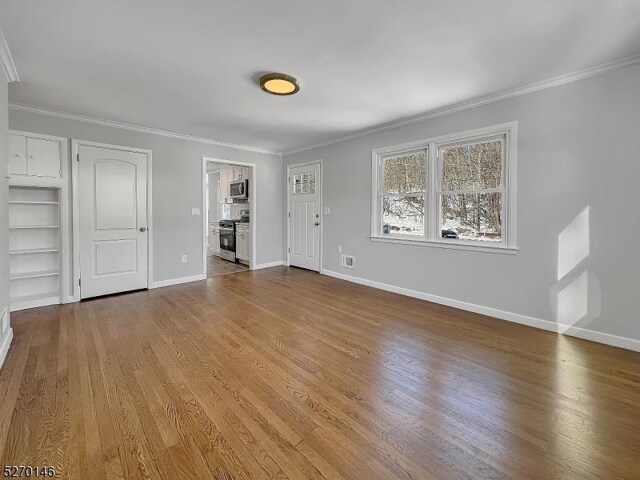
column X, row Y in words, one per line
column 191, row 66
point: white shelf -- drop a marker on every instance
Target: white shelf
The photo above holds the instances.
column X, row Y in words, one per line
column 38, row 296
column 31, row 301
column 33, row 250
column 23, row 227
column 25, row 202
column 42, row 273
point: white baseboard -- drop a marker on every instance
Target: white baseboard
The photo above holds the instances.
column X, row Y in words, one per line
column 178, row 281
column 600, row 337
column 279, row 263
column 5, row 341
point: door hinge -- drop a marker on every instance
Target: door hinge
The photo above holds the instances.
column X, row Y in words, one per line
column 289, row 214
column 289, row 250
column 79, row 282
column 77, row 157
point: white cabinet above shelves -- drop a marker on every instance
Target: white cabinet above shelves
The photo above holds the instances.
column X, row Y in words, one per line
column 17, row 154
column 36, row 159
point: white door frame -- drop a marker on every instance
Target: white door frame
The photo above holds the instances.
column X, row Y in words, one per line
column 288, row 212
column 252, row 201
column 75, row 148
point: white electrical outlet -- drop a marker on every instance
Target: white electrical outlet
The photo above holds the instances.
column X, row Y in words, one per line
column 195, row 212
column 339, row 248
column 185, row 258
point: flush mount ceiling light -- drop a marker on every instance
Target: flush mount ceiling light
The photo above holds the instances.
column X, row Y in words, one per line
column 279, row 84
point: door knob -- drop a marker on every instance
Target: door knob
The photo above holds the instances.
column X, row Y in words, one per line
column 143, row 229
column 317, row 223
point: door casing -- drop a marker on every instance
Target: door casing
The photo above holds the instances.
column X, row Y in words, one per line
column 287, row 213
column 75, row 146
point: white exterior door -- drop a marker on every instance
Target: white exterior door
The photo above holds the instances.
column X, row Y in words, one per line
column 304, row 221
column 112, row 200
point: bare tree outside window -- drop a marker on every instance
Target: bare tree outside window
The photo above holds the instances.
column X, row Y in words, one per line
column 456, row 189
column 404, row 185
column 472, row 189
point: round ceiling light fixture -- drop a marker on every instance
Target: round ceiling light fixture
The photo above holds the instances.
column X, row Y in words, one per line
column 279, row 84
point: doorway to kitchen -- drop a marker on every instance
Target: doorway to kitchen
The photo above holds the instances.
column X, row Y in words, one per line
column 229, row 213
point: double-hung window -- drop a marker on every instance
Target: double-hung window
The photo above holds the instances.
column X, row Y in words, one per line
column 457, row 190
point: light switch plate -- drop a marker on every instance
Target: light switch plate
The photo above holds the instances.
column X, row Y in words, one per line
column 327, row 210
column 184, row 259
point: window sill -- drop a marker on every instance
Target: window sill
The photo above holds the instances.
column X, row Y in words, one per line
column 498, row 249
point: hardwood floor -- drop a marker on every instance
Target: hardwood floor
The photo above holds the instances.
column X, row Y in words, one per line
column 283, row 373
column 217, row 266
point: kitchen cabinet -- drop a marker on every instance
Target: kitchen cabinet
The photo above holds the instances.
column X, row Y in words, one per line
column 225, row 180
column 243, row 242
column 239, row 173
column 34, row 156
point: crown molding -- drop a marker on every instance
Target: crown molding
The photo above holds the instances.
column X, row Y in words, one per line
column 135, row 128
column 479, row 101
column 6, row 60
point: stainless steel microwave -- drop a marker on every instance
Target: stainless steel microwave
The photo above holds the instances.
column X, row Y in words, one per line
column 239, row 190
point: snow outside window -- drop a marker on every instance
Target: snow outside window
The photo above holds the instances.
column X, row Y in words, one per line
column 453, row 190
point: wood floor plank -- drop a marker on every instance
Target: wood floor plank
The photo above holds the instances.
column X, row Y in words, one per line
column 286, row 374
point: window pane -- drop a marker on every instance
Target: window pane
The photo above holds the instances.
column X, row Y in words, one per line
column 297, row 184
column 405, row 173
column 310, row 182
column 304, row 183
column 403, row 215
column 472, row 216
column 474, row 166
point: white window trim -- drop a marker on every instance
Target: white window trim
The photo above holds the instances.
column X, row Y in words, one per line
column 432, row 236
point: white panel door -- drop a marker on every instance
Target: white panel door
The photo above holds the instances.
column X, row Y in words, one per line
column 43, row 157
column 112, row 198
column 304, row 222
column 17, row 155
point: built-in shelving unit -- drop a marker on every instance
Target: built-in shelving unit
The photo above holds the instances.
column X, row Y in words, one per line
column 34, row 246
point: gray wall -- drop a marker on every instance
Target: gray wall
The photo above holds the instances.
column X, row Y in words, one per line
column 4, row 210
column 579, row 148
column 177, row 188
